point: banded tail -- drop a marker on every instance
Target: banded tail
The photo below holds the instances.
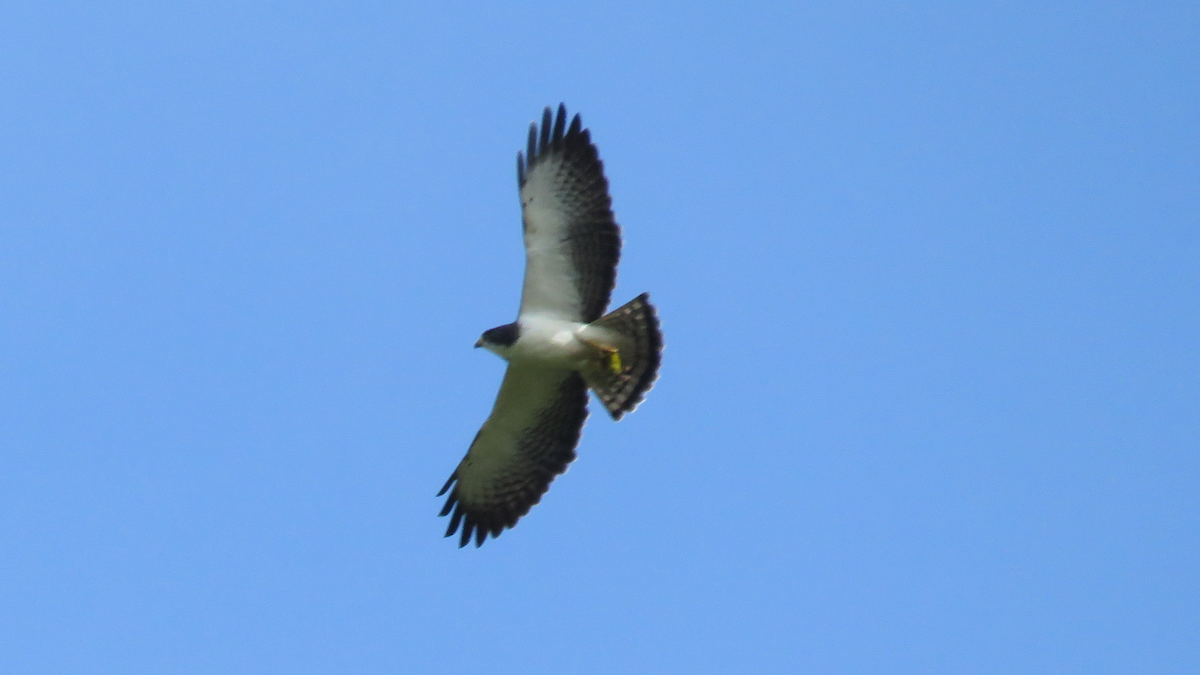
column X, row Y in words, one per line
column 631, row 346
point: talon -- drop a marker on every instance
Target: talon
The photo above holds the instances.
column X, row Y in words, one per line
column 614, row 362
column 610, row 356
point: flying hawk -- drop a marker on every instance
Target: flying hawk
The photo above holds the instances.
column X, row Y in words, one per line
column 562, row 343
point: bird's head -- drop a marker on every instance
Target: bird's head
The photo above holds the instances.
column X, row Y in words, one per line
column 499, row 340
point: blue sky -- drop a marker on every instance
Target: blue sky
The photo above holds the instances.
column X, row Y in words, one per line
column 927, row 272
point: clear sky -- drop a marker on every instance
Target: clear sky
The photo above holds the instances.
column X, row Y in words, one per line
column 929, row 275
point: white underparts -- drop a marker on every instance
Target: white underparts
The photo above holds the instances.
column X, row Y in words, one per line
column 548, row 342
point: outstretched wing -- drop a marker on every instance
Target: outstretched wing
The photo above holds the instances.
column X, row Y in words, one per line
column 572, row 243
column 528, row 440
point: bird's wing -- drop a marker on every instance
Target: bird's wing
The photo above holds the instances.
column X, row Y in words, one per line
column 528, row 440
column 572, row 243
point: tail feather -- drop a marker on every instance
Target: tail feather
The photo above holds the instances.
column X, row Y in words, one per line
column 632, row 342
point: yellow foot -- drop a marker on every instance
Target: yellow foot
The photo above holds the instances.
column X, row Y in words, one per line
column 614, row 362
column 610, row 356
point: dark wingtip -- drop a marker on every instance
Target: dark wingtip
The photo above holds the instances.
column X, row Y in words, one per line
column 454, row 521
column 548, row 136
column 547, row 120
column 559, row 123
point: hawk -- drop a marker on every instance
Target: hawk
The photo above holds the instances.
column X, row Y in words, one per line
column 562, row 343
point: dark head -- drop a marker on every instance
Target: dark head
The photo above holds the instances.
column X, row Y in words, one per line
column 500, row 338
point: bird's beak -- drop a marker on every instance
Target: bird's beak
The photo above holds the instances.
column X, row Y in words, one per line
column 479, row 343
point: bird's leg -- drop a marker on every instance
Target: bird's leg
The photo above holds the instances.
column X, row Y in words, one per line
column 610, row 356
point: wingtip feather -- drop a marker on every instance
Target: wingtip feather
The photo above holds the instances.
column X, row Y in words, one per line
column 454, row 521
column 559, row 123
column 547, row 120
column 453, row 477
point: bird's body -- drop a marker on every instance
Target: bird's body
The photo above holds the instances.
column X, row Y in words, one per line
column 544, row 341
column 552, row 343
column 562, row 344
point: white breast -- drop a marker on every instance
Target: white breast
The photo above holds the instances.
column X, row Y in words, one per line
column 550, row 342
